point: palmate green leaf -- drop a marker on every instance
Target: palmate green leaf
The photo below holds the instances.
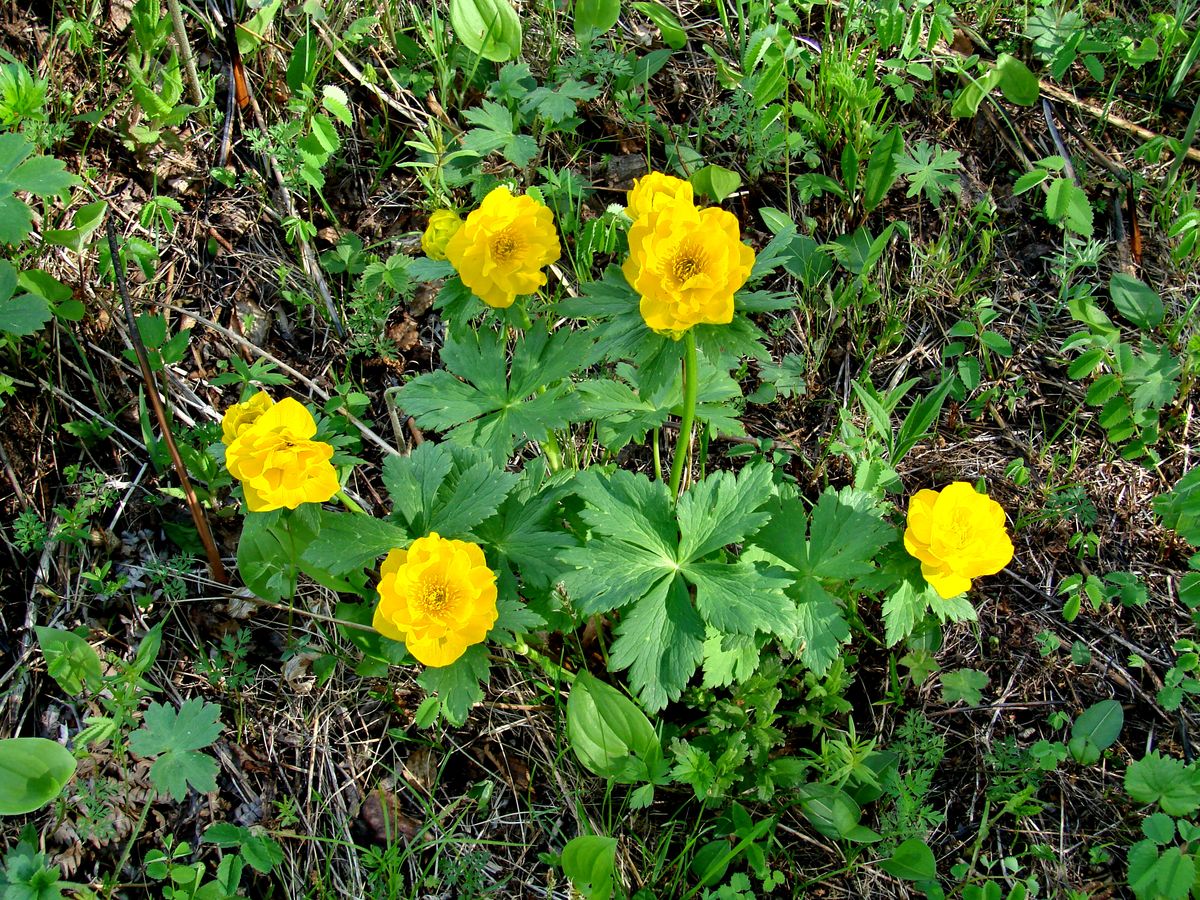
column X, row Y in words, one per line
column 348, row 542
column 412, row 482
column 176, row 739
column 660, row 641
column 522, row 534
column 742, row 598
column 459, row 686
column 1171, row 783
column 485, row 409
column 821, row 627
column 728, row 658
column 633, row 561
column 840, row 543
column 620, row 414
column 470, row 498
column 632, row 509
column 722, row 510
column 610, row 575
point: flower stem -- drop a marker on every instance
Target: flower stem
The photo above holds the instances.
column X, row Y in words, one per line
column 350, row 504
column 553, row 452
column 545, row 663
column 690, row 388
column 657, row 455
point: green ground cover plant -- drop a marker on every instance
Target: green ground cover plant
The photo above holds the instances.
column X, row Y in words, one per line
column 604, row 449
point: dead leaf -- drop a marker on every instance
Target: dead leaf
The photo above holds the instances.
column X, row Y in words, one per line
column 382, row 813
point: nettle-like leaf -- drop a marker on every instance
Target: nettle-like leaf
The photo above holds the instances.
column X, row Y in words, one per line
column 624, row 414
column 828, row 550
column 458, row 686
column 447, row 489
column 495, row 130
column 478, row 402
column 176, row 739
column 646, row 559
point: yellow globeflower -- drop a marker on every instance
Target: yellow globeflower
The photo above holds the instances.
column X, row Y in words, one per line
column 686, row 263
column 438, row 597
column 957, row 534
column 443, row 223
column 652, row 192
column 278, row 463
column 501, row 249
column 241, row 416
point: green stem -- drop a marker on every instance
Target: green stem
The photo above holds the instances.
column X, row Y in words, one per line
column 690, row 388
column 350, row 504
column 545, row 663
column 657, row 456
column 553, row 452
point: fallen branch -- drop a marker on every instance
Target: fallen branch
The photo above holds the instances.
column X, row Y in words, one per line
column 216, row 567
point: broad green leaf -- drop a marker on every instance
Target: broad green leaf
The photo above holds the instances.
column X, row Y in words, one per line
column 672, row 31
column 722, row 509
column 911, row 861
column 86, row 220
column 882, row 170
column 70, row 660
column 33, row 771
column 1100, row 724
column 488, row 28
column 716, row 182
column 1136, row 301
column 594, row 18
column 660, row 641
column 459, row 685
column 250, row 36
column 608, row 732
column 964, row 684
column 589, row 861
column 176, row 738
column 1018, row 84
column 1068, row 205
column 25, row 314
column 44, row 176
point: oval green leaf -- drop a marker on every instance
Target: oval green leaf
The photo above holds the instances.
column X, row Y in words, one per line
column 488, row 28
column 607, row 730
column 33, row 771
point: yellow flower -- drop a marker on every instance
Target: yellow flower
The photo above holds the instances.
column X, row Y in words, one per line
column 652, row 192
column 686, row 263
column 443, row 224
column 278, row 463
column 241, row 416
column 438, row 597
column 957, row 534
column 502, row 247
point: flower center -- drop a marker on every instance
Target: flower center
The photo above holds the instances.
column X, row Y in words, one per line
column 505, row 245
column 959, row 531
column 434, row 598
column 688, row 262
